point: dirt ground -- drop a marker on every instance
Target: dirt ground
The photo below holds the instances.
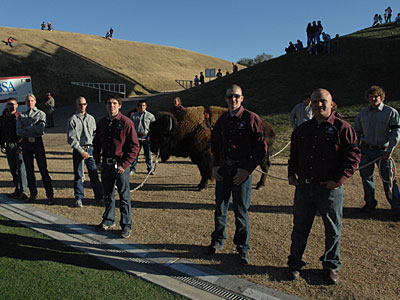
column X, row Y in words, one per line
column 170, row 215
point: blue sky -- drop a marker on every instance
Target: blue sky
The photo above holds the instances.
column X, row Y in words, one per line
column 228, row 29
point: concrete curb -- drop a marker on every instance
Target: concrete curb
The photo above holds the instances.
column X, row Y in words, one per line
column 174, row 274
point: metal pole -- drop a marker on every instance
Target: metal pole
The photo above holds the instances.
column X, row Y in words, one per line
column 99, row 95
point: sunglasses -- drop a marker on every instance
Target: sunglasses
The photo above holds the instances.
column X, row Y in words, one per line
column 237, row 96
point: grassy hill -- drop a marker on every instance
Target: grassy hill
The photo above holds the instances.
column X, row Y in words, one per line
column 370, row 56
column 56, row 58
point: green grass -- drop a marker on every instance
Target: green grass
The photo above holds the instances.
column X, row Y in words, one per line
column 33, row 266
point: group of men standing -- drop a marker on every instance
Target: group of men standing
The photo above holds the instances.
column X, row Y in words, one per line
column 325, row 152
column 111, row 147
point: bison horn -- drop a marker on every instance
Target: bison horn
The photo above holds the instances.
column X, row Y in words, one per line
column 170, row 124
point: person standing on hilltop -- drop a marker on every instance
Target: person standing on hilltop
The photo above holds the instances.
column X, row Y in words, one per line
column 318, row 32
column 234, row 68
column 196, row 80
column 309, row 31
column 201, row 78
column 43, row 25
column 111, row 31
column 49, row 26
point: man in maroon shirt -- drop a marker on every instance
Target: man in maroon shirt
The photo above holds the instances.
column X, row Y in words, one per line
column 323, row 155
column 11, row 146
column 115, row 147
column 238, row 146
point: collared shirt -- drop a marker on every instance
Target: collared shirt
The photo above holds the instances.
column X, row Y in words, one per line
column 31, row 123
column 116, row 138
column 142, row 122
column 299, row 114
column 50, row 103
column 80, row 130
column 378, row 126
column 325, row 151
column 240, row 138
column 8, row 129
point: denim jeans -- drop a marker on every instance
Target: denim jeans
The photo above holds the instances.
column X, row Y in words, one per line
column 17, row 169
column 109, row 178
column 241, row 198
column 147, row 154
column 36, row 149
column 78, row 173
column 367, row 175
column 309, row 199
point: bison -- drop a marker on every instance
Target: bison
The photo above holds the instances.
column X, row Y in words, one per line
column 188, row 134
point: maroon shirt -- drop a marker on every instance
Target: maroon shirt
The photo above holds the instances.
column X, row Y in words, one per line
column 239, row 138
column 116, row 139
column 326, row 151
column 8, row 129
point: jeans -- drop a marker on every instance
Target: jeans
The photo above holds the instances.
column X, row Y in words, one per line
column 309, row 199
column 92, row 170
column 49, row 117
column 367, row 175
column 29, row 150
column 241, row 195
column 147, row 154
column 17, row 169
column 109, row 178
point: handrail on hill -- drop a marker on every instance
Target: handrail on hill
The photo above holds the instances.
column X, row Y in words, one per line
column 119, row 88
column 186, row 84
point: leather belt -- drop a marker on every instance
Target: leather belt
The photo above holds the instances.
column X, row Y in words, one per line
column 309, row 181
column 32, row 139
column 373, row 147
column 85, row 147
column 110, row 161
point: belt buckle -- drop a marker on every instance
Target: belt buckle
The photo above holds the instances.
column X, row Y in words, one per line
column 109, row 161
column 307, row 181
column 31, row 139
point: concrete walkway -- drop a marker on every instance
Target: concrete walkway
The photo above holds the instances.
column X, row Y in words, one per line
column 174, row 274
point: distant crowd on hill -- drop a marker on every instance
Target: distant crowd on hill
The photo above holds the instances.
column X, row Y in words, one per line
column 201, row 79
column 315, row 45
column 387, row 16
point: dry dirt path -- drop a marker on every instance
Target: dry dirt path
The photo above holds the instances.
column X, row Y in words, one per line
column 170, row 215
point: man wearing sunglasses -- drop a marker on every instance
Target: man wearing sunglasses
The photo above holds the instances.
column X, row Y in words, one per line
column 81, row 128
column 238, row 146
